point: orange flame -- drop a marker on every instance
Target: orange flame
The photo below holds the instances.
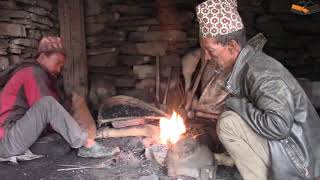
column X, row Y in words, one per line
column 171, row 129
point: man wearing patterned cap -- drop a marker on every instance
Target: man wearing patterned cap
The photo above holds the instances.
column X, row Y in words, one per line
column 29, row 102
column 270, row 128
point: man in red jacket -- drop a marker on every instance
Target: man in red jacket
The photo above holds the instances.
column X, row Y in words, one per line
column 29, row 102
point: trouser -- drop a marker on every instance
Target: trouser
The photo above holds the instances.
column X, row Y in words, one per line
column 249, row 150
column 19, row 136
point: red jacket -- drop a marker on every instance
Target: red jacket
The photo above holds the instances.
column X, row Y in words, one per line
column 24, row 89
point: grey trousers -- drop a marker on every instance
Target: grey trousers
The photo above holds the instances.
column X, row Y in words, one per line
column 249, row 150
column 20, row 135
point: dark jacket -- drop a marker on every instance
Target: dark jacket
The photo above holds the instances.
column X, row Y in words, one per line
column 275, row 106
column 22, row 90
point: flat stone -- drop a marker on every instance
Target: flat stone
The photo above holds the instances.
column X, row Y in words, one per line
column 152, row 177
column 93, row 7
column 25, row 42
column 172, row 35
column 38, row 10
column 41, row 20
column 144, row 71
column 14, row 13
column 134, row 60
column 157, row 153
column 97, row 51
column 14, row 59
column 45, row 4
column 103, row 60
column 4, row 63
column 15, row 30
column 34, row 34
column 95, row 28
column 131, row 122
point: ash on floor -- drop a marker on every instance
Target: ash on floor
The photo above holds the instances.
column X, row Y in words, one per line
column 130, row 164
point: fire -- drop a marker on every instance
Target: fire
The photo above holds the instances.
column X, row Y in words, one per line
column 171, row 129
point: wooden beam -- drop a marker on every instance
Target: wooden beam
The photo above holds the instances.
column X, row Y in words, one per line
column 72, row 31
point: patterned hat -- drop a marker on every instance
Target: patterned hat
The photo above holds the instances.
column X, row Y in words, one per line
column 51, row 44
column 218, row 17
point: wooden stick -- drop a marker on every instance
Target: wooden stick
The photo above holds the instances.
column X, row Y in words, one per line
column 195, row 86
column 103, row 121
column 167, row 88
column 158, row 79
column 145, row 130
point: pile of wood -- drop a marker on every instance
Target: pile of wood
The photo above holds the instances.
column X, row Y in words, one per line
column 126, row 38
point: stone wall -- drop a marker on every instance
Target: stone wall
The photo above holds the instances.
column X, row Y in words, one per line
column 293, row 39
column 125, row 37
column 22, row 24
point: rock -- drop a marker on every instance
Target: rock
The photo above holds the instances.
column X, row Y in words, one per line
column 116, row 71
column 15, row 49
column 93, row 28
column 172, row 35
column 34, row 34
column 45, row 4
column 146, row 83
column 143, row 22
column 93, row 7
column 157, row 153
column 144, row 71
column 103, row 60
column 131, row 10
column 149, row 49
column 97, row 51
column 136, row 28
column 152, row 177
column 14, row 59
column 131, row 122
column 134, row 60
column 103, row 18
column 187, row 157
column 38, row 11
column 25, row 42
column 14, row 13
column 15, row 30
column 3, row 47
column 171, row 60
column 4, row 63
column 42, row 20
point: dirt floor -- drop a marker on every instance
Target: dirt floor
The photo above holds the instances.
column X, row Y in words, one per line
column 130, row 164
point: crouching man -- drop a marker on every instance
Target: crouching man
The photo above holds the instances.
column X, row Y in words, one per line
column 271, row 129
column 29, row 102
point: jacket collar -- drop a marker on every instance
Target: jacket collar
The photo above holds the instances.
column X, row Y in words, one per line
column 233, row 82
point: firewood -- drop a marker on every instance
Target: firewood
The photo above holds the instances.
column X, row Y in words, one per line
column 172, row 35
column 103, row 121
column 149, row 49
column 145, row 130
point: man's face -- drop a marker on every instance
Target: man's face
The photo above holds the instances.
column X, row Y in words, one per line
column 214, row 51
column 54, row 63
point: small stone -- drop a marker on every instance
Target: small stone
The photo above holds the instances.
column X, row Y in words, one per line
column 4, row 63
column 15, row 30
column 152, row 177
column 26, row 42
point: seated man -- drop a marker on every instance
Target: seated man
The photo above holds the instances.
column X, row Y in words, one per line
column 271, row 128
column 29, row 102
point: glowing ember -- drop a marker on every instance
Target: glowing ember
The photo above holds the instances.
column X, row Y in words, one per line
column 171, row 129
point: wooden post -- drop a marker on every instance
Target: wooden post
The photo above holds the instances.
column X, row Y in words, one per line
column 72, row 31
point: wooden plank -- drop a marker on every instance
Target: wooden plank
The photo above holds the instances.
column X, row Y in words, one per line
column 72, row 31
